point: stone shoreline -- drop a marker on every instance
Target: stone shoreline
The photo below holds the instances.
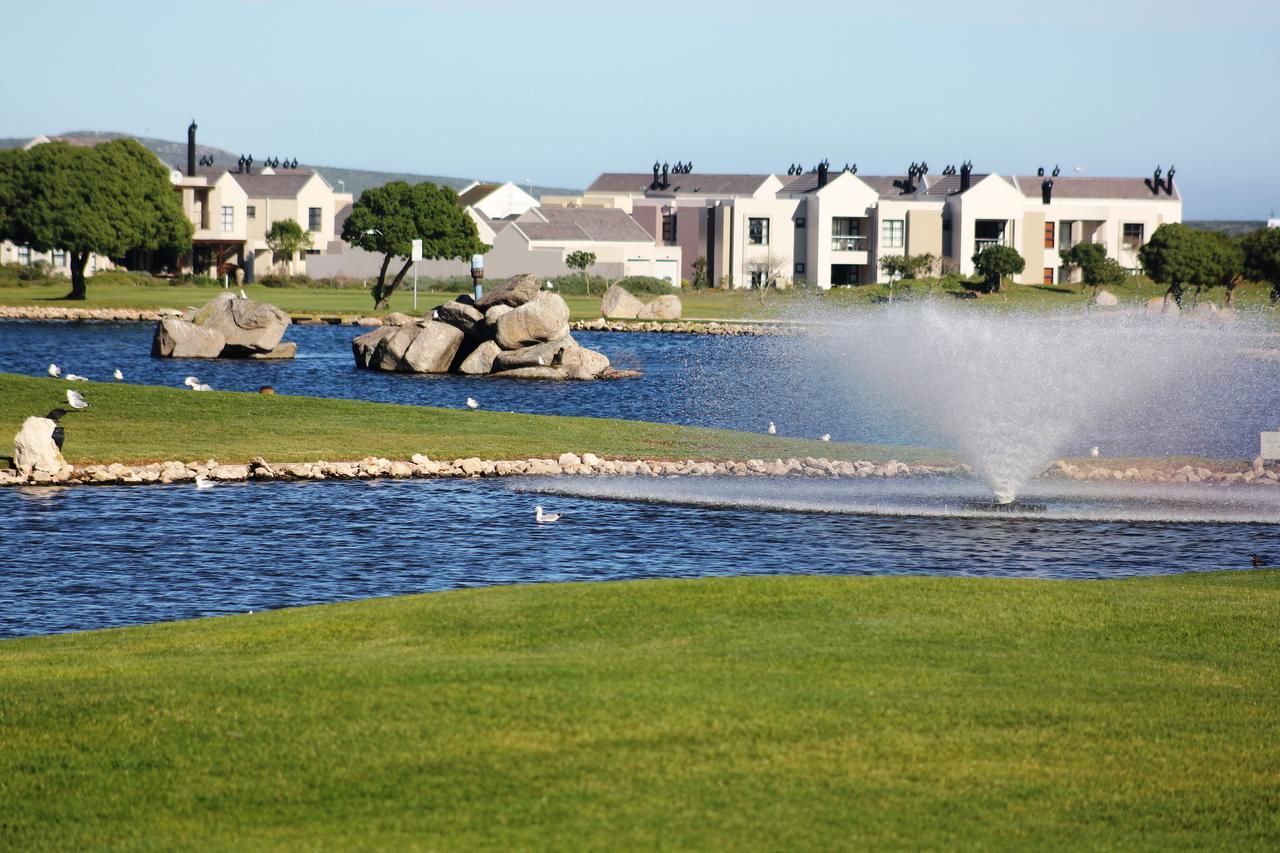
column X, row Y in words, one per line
column 600, row 324
column 572, row 464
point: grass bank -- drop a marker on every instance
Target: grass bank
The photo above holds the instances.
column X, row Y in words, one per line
column 135, row 424
column 748, row 713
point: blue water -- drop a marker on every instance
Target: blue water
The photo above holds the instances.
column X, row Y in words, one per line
column 78, row 558
column 705, row 380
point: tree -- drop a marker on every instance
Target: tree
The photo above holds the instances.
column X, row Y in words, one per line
column 285, row 238
column 1178, row 256
column 1262, row 258
column 1097, row 269
column 765, row 271
column 104, row 200
column 907, row 266
column 700, row 279
column 1226, row 264
column 580, row 261
column 387, row 219
column 995, row 263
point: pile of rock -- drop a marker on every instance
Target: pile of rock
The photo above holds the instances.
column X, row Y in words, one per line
column 620, row 304
column 229, row 326
column 38, row 312
column 516, row 330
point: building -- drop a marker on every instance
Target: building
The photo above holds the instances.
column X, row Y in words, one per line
column 831, row 228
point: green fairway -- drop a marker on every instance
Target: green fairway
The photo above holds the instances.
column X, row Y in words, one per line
column 750, row 713
column 138, row 423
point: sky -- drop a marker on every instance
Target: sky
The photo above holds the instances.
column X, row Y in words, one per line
column 557, row 91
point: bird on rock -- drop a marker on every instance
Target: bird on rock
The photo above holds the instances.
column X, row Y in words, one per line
column 59, row 434
column 1095, row 452
column 544, row 517
column 773, row 430
column 117, row 375
column 242, row 296
column 55, row 371
column 472, row 403
column 75, row 400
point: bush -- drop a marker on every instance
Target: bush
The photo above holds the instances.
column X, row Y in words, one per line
column 637, row 284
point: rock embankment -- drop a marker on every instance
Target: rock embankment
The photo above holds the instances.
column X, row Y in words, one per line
column 688, row 327
column 516, row 331
column 41, row 312
column 1257, row 473
column 372, row 467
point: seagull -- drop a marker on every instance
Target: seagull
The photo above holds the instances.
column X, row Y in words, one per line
column 75, row 400
column 540, row 361
column 242, row 296
column 55, row 371
column 119, row 377
column 773, row 430
column 202, row 387
column 1095, row 453
column 59, row 434
column 1258, row 562
column 544, row 517
column 826, row 436
column 191, row 382
column 472, row 404
column 435, row 315
column 203, row 482
column 74, row 377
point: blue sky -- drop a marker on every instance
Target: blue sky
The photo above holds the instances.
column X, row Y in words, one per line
column 560, row 90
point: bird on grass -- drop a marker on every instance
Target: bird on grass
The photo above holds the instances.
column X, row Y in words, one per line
column 1095, row 452
column 544, row 517
column 203, row 482
column 59, row 434
column 196, row 385
column 55, row 371
column 242, row 296
column 772, row 430
column 826, row 436
column 117, row 375
column 75, row 400
column 472, row 403
column 75, row 377
column 1258, row 562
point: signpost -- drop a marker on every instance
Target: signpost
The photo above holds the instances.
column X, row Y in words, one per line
column 415, row 257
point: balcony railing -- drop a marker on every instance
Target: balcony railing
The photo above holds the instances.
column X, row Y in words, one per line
column 981, row 244
column 849, row 244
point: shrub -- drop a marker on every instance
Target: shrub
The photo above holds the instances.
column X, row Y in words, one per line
column 646, row 284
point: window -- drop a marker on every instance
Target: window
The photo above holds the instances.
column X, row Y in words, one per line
column 1048, row 237
column 251, row 212
column 893, row 233
column 228, row 218
column 1133, row 234
column 758, row 231
column 757, row 278
column 846, row 234
column 313, row 219
column 24, row 255
column 800, row 222
column 59, row 257
column 1048, row 275
column 799, row 268
column 1064, row 235
column 669, row 228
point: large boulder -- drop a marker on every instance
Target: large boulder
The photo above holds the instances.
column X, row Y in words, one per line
column 246, row 325
column 566, row 355
column 535, row 372
column 583, row 363
column 391, row 349
column 514, row 292
column 34, row 448
column 665, row 307
column 1106, row 299
column 365, row 347
column 433, row 349
column 480, row 361
column 460, row 315
column 620, row 304
column 492, row 316
column 177, row 338
column 545, row 318
column 398, row 318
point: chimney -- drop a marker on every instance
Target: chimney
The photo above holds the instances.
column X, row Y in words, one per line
column 822, row 174
column 966, row 170
column 1168, row 181
column 665, row 182
column 1046, row 190
column 191, row 149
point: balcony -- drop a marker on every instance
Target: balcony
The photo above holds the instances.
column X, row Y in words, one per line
column 983, row 243
column 856, row 243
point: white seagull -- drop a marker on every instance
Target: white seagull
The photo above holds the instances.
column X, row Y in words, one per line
column 55, row 371
column 242, row 296
column 544, row 517
column 540, row 361
column 203, row 482
column 191, row 382
column 472, row 404
column 202, row 387
column 117, row 375
column 1095, row 453
column 435, row 315
column 75, row 377
column 75, row 401
column 772, row 430
column 826, row 436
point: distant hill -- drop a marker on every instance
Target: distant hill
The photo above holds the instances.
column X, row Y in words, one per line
column 354, row 181
column 1233, row 227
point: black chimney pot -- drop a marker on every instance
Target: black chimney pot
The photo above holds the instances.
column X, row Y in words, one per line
column 1046, row 190
column 191, row 149
column 966, row 170
column 822, row 174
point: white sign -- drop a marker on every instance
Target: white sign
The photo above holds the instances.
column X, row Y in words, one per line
column 417, row 251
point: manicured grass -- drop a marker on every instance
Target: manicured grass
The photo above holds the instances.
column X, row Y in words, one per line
column 748, row 713
column 138, row 423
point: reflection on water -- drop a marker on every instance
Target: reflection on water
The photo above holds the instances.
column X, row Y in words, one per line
column 79, row 558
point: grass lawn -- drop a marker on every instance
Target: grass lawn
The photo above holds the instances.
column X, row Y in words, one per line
column 139, row 423
column 698, row 305
column 746, row 713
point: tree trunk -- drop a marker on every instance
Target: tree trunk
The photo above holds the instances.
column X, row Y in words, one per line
column 379, row 301
column 384, row 298
column 79, row 260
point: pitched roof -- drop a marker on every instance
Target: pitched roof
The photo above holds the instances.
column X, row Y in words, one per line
column 285, row 183
column 600, row 224
column 476, row 192
column 693, row 182
column 1101, row 188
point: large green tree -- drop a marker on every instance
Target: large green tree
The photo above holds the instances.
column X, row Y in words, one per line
column 1097, row 269
column 387, row 219
column 1226, row 264
column 1262, row 258
column 995, row 263
column 1178, row 257
column 285, row 239
column 104, row 200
